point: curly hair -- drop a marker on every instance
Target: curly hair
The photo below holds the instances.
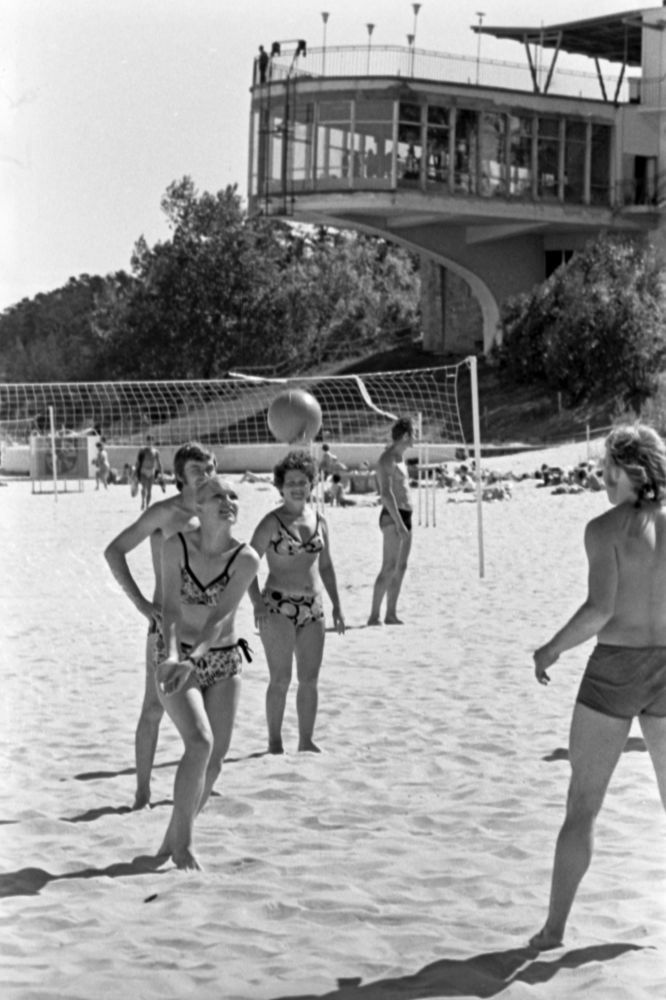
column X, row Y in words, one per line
column 302, row 461
column 641, row 452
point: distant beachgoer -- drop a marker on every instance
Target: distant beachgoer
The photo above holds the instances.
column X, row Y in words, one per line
column 289, row 610
column 148, row 468
column 336, row 493
column 199, row 661
column 262, row 60
column 330, row 463
column 395, row 521
column 626, row 673
column 102, row 466
column 192, row 465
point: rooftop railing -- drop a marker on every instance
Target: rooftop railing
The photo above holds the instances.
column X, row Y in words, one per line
column 408, row 62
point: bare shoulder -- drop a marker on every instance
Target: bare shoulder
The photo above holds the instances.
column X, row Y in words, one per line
column 612, row 523
column 248, row 558
column 387, row 459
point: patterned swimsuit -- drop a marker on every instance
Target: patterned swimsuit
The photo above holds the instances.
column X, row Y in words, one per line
column 300, row 609
column 219, row 662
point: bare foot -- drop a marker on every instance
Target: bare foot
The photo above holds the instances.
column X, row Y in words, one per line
column 186, row 860
column 275, row 746
column 307, row 746
column 374, row 620
column 141, row 800
column 393, row 620
column 544, row 940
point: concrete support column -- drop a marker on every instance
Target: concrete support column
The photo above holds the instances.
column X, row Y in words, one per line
column 432, row 305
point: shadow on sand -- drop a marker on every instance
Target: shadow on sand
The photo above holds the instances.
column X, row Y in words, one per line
column 29, row 881
column 485, row 975
column 635, row 744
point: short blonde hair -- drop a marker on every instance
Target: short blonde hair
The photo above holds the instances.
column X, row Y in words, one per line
column 640, row 451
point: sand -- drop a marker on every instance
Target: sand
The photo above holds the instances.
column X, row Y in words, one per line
column 411, row 859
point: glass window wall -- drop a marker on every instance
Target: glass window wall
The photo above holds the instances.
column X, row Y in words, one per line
column 548, row 153
column 342, row 144
column 575, row 141
column 410, row 150
column 437, row 144
column 600, row 167
column 520, row 128
column 493, row 153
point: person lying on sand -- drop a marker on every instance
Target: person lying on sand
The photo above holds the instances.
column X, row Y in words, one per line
column 626, row 673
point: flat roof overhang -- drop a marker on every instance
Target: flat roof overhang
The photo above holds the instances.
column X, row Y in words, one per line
column 483, row 220
column 614, row 37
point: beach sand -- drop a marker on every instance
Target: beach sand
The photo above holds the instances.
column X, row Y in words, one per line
column 411, row 859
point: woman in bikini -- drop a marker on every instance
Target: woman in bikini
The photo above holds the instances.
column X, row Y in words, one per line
column 289, row 612
column 198, row 663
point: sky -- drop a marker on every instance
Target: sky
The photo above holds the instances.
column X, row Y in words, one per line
column 103, row 103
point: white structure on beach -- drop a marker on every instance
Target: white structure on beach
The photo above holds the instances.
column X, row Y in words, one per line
column 494, row 172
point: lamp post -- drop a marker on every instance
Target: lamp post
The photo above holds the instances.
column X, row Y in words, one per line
column 480, row 14
column 370, row 28
column 324, row 17
column 410, row 45
column 416, row 7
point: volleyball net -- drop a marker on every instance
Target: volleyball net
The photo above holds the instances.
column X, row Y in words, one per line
column 233, row 411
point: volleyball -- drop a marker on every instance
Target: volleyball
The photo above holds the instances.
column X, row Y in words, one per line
column 294, row 416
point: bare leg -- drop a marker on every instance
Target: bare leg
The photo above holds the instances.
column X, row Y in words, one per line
column 390, row 552
column 186, row 709
column 221, row 702
column 595, row 745
column 654, row 731
column 395, row 583
column 279, row 638
column 309, row 653
column 147, row 730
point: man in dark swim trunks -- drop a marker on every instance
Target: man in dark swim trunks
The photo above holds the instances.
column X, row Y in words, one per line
column 148, row 469
column 395, row 520
column 626, row 673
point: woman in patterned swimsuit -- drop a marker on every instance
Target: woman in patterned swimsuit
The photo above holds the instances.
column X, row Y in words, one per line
column 199, row 662
column 289, row 611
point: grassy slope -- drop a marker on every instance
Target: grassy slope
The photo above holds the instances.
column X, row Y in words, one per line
column 509, row 413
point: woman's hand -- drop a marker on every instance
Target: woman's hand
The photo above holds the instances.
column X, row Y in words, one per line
column 338, row 621
column 172, row 675
column 544, row 658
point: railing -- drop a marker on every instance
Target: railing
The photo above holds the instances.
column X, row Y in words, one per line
column 399, row 61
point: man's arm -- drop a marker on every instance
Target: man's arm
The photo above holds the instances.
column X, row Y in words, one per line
column 598, row 607
column 116, row 556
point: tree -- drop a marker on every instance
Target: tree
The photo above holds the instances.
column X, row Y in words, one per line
column 232, row 291
column 51, row 338
column 594, row 329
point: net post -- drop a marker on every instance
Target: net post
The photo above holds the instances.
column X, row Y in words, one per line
column 54, row 457
column 419, row 459
column 476, row 431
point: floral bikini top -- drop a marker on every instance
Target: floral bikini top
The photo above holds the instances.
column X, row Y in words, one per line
column 192, row 591
column 288, row 544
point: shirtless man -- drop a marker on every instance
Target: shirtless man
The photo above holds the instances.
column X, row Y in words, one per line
column 102, row 466
column 626, row 673
column 395, row 520
column 148, row 467
column 192, row 465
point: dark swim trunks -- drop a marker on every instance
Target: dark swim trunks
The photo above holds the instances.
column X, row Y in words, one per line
column 385, row 519
column 624, row 681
